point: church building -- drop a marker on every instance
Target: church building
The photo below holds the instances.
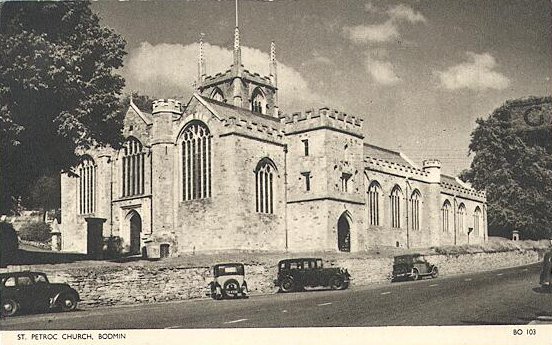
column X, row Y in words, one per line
column 230, row 171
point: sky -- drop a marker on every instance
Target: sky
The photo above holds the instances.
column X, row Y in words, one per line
column 418, row 72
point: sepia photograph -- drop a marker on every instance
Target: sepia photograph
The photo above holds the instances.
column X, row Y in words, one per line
column 258, row 171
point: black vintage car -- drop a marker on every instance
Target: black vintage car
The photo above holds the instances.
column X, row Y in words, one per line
column 31, row 291
column 296, row 274
column 228, row 281
column 412, row 266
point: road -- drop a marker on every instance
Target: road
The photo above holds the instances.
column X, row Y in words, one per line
column 507, row 296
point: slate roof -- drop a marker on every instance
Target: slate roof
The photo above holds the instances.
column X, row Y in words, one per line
column 385, row 154
column 227, row 110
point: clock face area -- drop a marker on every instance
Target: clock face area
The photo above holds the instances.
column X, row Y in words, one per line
column 534, row 116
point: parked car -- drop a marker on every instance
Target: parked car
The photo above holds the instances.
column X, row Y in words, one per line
column 546, row 271
column 413, row 266
column 32, row 291
column 228, row 281
column 296, row 274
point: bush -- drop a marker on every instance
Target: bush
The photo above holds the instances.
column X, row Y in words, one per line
column 8, row 243
column 113, row 246
column 35, row 231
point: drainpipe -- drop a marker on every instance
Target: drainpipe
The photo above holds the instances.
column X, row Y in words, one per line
column 285, row 197
column 406, row 209
column 454, row 210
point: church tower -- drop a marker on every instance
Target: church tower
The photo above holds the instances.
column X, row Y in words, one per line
column 238, row 86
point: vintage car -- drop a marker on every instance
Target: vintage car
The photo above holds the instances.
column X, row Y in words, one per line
column 31, row 291
column 296, row 274
column 228, row 281
column 546, row 271
column 413, row 266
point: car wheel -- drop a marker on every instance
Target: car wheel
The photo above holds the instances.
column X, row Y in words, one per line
column 338, row 283
column 415, row 274
column 68, row 302
column 231, row 288
column 435, row 272
column 287, row 285
column 9, row 307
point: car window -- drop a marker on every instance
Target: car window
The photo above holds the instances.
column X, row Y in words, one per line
column 9, row 282
column 24, row 281
column 307, row 264
column 293, row 265
column 40, row 278
column 319, row 263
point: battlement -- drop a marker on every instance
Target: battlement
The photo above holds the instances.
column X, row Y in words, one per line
column 395, row 168
column 323, row 116
column 256, row 127
column 167, row 106
column 431, row 163
column 462, row 191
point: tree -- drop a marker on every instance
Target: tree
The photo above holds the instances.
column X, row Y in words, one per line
column 59, row 91
column 513, row 163
column 45, row 194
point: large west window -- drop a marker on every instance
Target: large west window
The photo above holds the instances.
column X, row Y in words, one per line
column 374, row 192
column 264, row 190
column 396, row 207
column 196, row 162
column 133, row 168
column 87, row 186
column 415, row 209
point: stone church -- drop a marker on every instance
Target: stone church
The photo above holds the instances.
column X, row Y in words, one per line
column 229, row 170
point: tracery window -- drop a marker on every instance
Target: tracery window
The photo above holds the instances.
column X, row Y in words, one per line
column 445, row 216
column 415, row 209
column 476, row 221
column 87, row 186
column 133, row 168
column 396, row 207
column 264, row 191
column 196, row 162
column 460, row 221
column 374, row 192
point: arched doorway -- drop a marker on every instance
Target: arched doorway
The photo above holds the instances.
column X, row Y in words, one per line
column 135, row 231
column 343, row 233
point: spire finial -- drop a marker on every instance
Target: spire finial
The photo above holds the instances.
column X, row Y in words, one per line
column 201, row 62
column 272, row 51
column 236, row 13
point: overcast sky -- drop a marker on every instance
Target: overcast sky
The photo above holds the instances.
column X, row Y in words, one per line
column 418, row 72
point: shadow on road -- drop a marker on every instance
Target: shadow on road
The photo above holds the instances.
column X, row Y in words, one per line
column 541, row 289
column 28, row 257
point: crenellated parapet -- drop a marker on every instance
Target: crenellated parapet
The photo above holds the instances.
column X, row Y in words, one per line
column 166, row 106
column 264, row 129
column 458, row 190
column 322, row 118
column 386, row 166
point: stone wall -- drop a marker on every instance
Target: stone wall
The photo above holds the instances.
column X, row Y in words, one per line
column 150, row 283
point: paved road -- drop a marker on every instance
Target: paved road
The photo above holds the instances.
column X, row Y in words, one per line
column 508, row 296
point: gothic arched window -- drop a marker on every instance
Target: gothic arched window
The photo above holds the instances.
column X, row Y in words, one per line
column 461, row 214
column 476, row 221
column 258, row 101
column 196, row 161
column 415, row 209
column 217, row 95
column 133, row 167
column 445, row 216
column 87, row 186
column 396, row 207
column 374, row 192
column 264, row 191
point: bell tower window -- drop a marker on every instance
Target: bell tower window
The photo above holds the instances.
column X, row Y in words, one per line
column 258, row 101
